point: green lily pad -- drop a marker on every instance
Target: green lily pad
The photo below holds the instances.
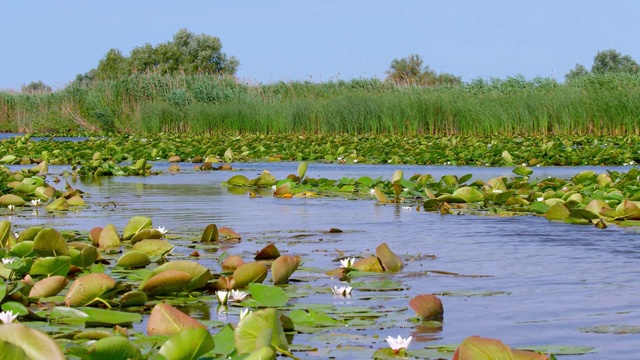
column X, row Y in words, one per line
column 188, row 344
column 266, row 296
column 167, row 320
column 49, row 242
column 134, row 225
column 260, row 329
column 253, row 272
column 51, row 266
column 26, row 343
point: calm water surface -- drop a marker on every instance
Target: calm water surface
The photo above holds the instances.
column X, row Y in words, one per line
column 551, row 280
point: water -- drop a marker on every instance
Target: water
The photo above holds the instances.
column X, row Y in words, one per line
column 550, row 280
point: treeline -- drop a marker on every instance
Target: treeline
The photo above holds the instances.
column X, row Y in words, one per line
column 138, row 103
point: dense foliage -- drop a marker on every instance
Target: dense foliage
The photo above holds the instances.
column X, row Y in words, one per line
column 597, row 104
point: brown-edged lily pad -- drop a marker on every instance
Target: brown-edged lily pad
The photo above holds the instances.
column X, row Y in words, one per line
column 87, row 289
column 49, row 242
column 133, row 259
column 50, row 286
column 200, row 275
column 109, row 237
column 167, row 320
column 427, row 306
column 390, row 261
column 231, row 263
column 269, row 252
column 283, row 267
column 253, row 272
column 165, row 282
column 371, row 263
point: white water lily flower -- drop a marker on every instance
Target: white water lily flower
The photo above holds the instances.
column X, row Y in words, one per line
column 406, row 208
column 11, row 207
column 238, row 295
column 344, row 291
column 355, row 161
column 347, row 263
column 540, row 198
column 398, row 343
column 244, row 312
column 162, row 230
column 223, row 296
column 7, row 260
column 372, row 191
column 35, row 202
column 7, row 317
column 497, row 191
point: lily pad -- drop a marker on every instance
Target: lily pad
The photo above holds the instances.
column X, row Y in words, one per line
column 49, row 286
column 49, row 242
column 87, row 289
column 134, row 225
column 390, row 261
column 253, row 272
column 167, row 320
column 165, row 282
column 27, row 343
column 188, row 344
column 283, row 267
column 260, row 329
column 133, row 259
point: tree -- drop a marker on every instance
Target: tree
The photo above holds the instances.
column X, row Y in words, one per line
column 605, row 62
column 187, row 53
column 611, row 61
column 410, row 71
column 576, row 72
column 113, row 65
column 36, row 87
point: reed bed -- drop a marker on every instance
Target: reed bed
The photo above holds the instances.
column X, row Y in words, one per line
column 604, row 105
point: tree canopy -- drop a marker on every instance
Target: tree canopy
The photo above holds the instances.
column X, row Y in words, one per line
column 411, row 71
column 187, row 53
column 606, row 62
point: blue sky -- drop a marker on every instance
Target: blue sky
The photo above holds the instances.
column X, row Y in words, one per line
column 322, row 40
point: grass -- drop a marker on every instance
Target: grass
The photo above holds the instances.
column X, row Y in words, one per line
column 604, row 105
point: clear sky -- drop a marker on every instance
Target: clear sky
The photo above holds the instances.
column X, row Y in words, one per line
column 323, row 40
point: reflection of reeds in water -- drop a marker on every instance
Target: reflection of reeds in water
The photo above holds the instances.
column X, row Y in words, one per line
column 153, row 103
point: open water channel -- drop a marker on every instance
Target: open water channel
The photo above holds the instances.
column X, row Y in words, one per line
column 543, row 284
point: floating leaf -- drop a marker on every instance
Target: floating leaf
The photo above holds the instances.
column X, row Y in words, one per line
column 167, row 320
column 507, row 157
column 283, row 267
column 469, row 194
column 238, row 180
column 88, row 255
column 49, row 242
column 200, row 275
column 109, row 237
column 427, row 306
column 269, row 252
column 188, row 344
column 302, row 169
column 48, row 286
column 210, row 234
column 57, row 204
column 390, row 261
column 231, row 263
column 112, row 348
column 155, row 249
column 253, row 272
column 522, row 171
column 557, row 212
column 133, row 298
column 133, row 259
column 10, row 199
column 51, row 266
column 88, row 288
column 267, row 296
column 134, row 225
column 478, row 348
column 369, row 264
column 27, row 343
column 165, row 282
column 6, row 235
column 260, row 329
column 105, row 317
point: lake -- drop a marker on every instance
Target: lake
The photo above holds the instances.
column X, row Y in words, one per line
column 534, row 283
